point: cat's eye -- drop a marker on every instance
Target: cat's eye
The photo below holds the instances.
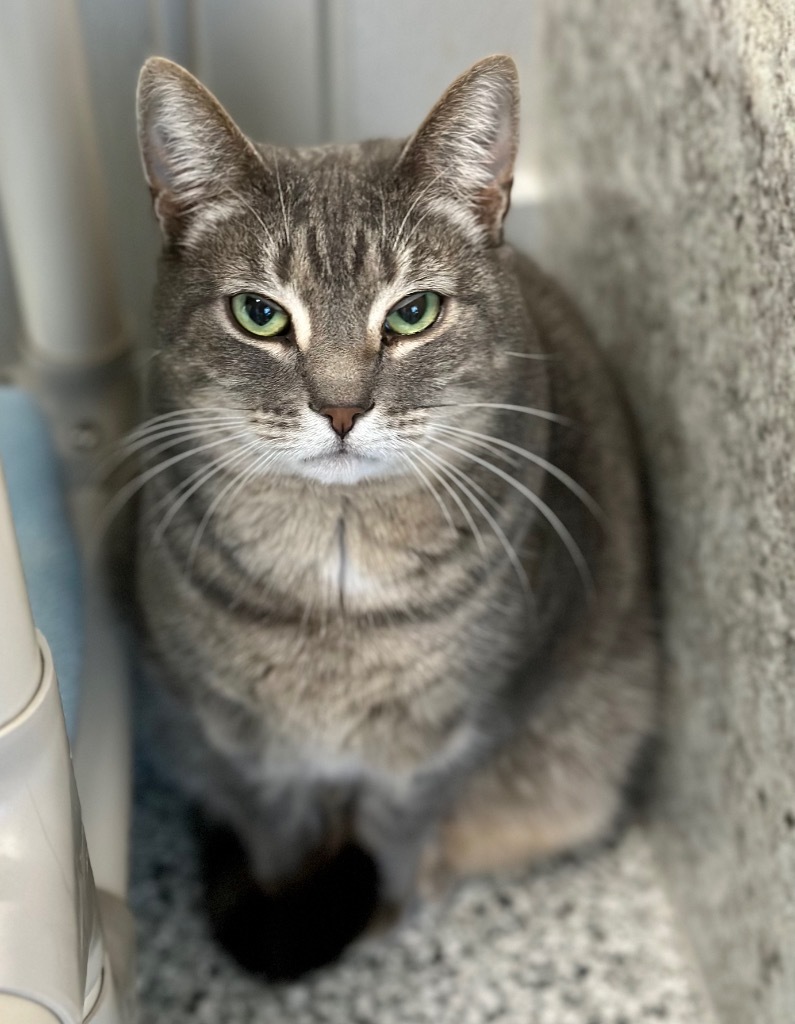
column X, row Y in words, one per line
column 259, row 315
column 413, row 314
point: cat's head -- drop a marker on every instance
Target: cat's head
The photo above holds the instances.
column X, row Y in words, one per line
column 334, row 299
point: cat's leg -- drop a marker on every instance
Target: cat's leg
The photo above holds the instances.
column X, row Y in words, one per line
column 395, row 839
column 502, row 821
column 560, row 782
column 284, row 821
column 286, row 889
column 286, row 827
column 395, row 826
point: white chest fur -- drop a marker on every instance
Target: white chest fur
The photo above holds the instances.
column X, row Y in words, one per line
column 345, row 575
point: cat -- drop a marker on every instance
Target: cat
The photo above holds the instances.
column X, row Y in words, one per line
column 393, row 569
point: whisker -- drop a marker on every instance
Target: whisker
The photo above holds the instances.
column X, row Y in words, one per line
column 439, row 500
column 416, row 226
column 527, row 410
column 554, row 521
column 161, row 444
column 383, row 218
column 281, row 198
column 418, row 198
column 185, row 483
column 490, row 445
column 179, row 433
column 237, row 483
column 175, row 414
column 166, row 429
column 531, row 355
column 244, row 202
column 142, row 359
column 192, row 484
column 467, row 485
column 551, row 468
column 120, row 499
column 476, row 534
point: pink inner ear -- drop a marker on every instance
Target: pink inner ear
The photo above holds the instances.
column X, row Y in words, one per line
column 492, row 206
column 503, row 153
column 156, row 165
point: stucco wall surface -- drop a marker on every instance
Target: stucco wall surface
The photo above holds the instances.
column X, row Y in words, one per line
column 667, row 147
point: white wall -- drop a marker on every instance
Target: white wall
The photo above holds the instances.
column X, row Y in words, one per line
column 266, row 65
column 389, row 61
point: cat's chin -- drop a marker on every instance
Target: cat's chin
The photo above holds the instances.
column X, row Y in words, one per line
column 344, row 468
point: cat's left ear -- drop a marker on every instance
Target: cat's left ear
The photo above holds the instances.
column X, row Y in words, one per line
column 464, row 152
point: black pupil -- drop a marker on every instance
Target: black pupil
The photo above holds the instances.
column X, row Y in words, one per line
column 259, row 310
column 414, row 311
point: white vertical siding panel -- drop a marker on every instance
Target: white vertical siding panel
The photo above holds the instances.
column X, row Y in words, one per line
column 264, row 61
column 173, row 30
column 118, row 36
column 390, row 61
column 52, row 185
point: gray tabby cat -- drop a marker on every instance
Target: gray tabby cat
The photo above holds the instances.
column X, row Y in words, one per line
column 393, row 568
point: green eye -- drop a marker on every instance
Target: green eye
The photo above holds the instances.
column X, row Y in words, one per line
column 413, row 314
column 260, row 316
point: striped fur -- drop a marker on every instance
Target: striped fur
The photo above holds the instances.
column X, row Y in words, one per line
column 436, row 631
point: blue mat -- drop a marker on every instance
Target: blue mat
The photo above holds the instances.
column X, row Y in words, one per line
column 49, row 554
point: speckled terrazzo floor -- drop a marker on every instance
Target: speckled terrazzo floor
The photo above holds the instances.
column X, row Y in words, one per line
column 587, row 942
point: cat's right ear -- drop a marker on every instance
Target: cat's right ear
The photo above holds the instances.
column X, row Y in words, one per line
column 193, row 153
column 463, row 154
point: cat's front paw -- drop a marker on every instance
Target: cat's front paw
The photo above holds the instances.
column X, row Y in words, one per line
column 286, row 930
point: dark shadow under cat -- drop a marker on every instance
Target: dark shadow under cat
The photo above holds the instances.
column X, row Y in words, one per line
column 303, row 923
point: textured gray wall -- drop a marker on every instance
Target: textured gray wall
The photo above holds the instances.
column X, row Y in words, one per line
column 668, row 151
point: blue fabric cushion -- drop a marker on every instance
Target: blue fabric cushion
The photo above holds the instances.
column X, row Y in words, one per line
column 49, row 554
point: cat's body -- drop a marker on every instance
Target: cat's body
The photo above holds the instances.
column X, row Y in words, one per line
column 449, row 662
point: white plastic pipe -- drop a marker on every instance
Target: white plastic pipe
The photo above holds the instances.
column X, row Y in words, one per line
column 14, row 1010
column 51, row 188
column 51, row 949
column 20, row 660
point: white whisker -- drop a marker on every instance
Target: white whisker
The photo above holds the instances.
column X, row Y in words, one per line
column 192, row 484
column 120, row 499
column 176, row 427
column 525, row 409
column 244, row 202
column 429, row 486
column 158, row 444
column 237, row 483
column 281, row 198
column 490, row 445
column 476, row 534
column 154, row 422
column 554, row 521
column 420, row 196
column 467, row 485
column 383, row 218
column 530, row 355
column 178, row 434
column 488, row 440
column 415, row 228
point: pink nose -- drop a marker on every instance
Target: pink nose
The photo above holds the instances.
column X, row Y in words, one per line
column 342, row 417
